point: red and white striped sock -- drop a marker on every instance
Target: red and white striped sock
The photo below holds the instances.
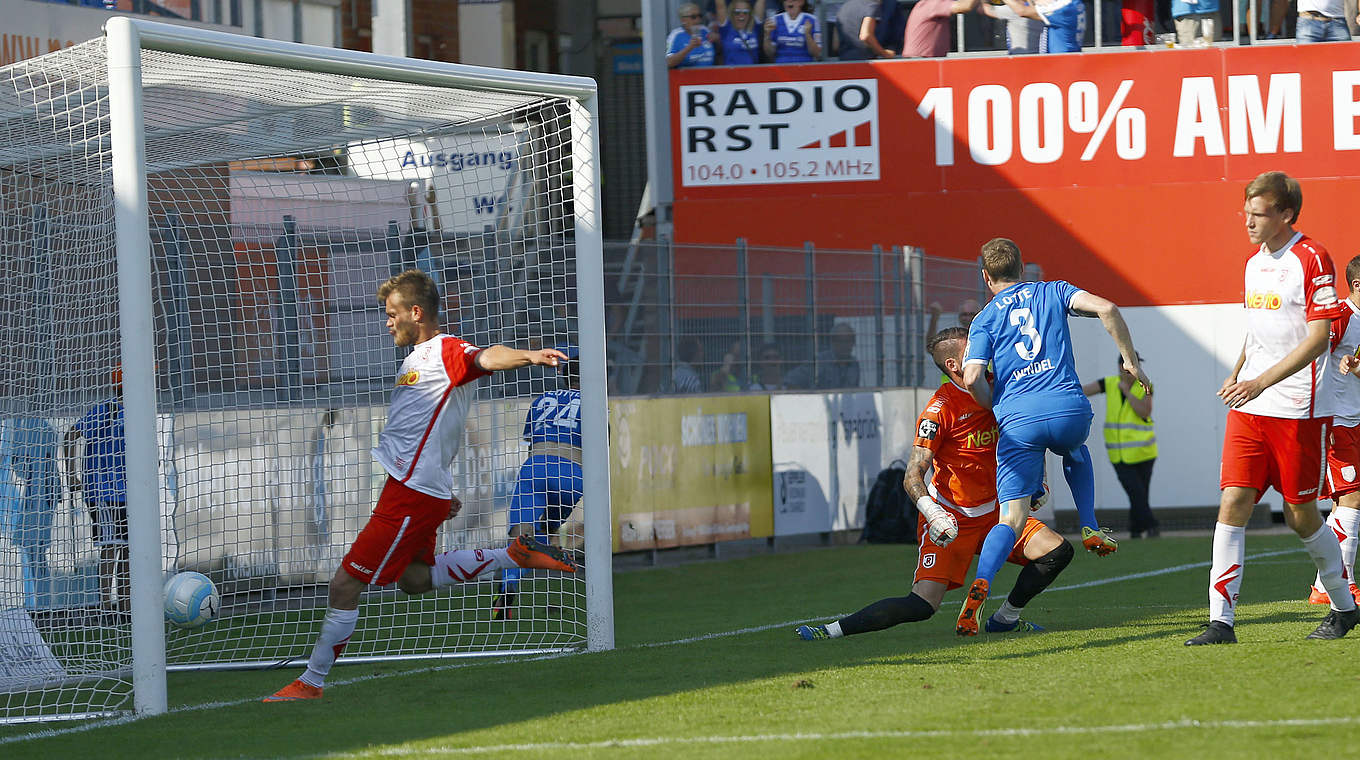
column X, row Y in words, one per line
column 335, row 632
column 1325, row 550
column 1345, row 523
column 1225, row 577
column 463, row 565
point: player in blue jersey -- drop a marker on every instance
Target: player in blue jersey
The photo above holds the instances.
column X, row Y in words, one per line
column 550, row 480
column 1037, row 400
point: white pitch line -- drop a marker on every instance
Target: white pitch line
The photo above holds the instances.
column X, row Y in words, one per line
column 51, row 732
column 1163, row 571
column 659, row 741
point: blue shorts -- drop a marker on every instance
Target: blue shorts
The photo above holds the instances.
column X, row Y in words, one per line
column 547, row 491
column 1020, row 451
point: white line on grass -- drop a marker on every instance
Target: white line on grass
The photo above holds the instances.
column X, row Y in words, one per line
column 427, row 751
column 1163, row 571
column 51, row 732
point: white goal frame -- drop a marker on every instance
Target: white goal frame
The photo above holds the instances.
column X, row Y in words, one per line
column 126, row 38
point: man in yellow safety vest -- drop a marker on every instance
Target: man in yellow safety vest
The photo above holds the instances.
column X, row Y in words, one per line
column 1131, row 443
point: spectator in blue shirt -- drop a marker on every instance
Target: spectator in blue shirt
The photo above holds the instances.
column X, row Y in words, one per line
column 691, row 43
column 794, row 35
column 738, row 32
column 104, row 483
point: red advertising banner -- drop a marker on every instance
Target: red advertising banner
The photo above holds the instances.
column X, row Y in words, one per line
column 1122, row 172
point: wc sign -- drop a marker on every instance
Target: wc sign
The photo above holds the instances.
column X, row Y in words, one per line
column 778, row 132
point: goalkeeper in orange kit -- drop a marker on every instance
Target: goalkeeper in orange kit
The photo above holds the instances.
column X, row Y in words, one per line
column 957, row 437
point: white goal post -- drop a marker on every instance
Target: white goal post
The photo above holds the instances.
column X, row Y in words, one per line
column 196, row 224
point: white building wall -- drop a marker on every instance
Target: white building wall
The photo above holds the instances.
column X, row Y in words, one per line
column 1188, row 351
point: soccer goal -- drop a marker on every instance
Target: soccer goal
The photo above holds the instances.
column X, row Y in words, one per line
column 194, row 225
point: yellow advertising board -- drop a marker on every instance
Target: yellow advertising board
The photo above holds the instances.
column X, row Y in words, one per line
column 690, row 470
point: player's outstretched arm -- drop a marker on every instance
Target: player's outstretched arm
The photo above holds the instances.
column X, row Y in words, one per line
column 499, row 358
column 975, row 380
column 1088, row 303
column 1308, row 349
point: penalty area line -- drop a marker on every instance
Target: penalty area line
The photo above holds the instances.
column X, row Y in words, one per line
column 1028, row 731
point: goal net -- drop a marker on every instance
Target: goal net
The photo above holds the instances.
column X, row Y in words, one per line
column 249, row 374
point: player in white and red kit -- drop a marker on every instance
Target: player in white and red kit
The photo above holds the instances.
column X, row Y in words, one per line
column 1277, row 421
column 424, row 432
column 1342, row 389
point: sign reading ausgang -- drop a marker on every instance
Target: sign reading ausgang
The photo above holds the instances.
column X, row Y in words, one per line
column 779, row 132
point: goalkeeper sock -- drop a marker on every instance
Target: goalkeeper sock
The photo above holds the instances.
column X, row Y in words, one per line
column 335, row 632
column 1037, row 575
column 995, row 549
column 463, row 565
column 1082, row 482
column 1007, row 613
column 1225, row 576
column 885, row 613
column 1322, row 546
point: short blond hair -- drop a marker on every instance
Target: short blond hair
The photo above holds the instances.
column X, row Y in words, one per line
column 1282, row 190
column 415, row 288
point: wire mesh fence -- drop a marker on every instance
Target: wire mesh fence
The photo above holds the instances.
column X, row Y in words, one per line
column 686, row 318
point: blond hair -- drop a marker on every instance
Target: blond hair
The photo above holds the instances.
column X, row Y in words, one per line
column 1280, row 189
column 415, row 288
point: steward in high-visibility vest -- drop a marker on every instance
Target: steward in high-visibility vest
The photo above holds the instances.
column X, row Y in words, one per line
column 1129, row 438
column 1131, row 443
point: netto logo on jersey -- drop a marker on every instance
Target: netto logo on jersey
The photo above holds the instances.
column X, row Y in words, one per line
column 1262, row 300
column 981, row 439
column 408, row 378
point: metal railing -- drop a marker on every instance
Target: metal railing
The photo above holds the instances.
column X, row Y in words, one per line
column 688, row 318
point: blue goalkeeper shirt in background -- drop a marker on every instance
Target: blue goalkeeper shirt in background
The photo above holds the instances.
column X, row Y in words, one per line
column 1023, row 332
column 555, row 417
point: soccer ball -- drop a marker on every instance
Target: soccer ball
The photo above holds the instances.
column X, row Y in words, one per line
column 191, row 600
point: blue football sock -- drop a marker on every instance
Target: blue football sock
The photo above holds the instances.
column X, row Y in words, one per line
column 510, row 580
column 1082, row 480
column 995, row 549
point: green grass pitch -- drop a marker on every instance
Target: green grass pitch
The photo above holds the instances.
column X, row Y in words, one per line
column 707, row 666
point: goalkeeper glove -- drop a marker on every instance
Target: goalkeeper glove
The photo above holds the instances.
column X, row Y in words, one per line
column 1039, row 499
column 940, row 523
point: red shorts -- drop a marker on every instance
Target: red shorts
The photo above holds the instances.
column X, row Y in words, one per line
column 1259, row 452
column 949, row 564
column 401, row 530
column 1343, row 457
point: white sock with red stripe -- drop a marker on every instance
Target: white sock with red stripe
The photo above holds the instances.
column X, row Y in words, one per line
column 1323, row 547
column 463, row 565
column 1225, row 577
column 1345, row 523
column 335, row 632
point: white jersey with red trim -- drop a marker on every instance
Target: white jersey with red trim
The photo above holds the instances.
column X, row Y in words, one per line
column 1341, row 393
column 424, row 431
column 1284, row 290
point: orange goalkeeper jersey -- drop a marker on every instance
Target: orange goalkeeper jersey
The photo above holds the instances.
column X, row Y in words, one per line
column 962, row 435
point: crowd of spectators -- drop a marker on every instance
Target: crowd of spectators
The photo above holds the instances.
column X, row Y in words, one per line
column 744, row 32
